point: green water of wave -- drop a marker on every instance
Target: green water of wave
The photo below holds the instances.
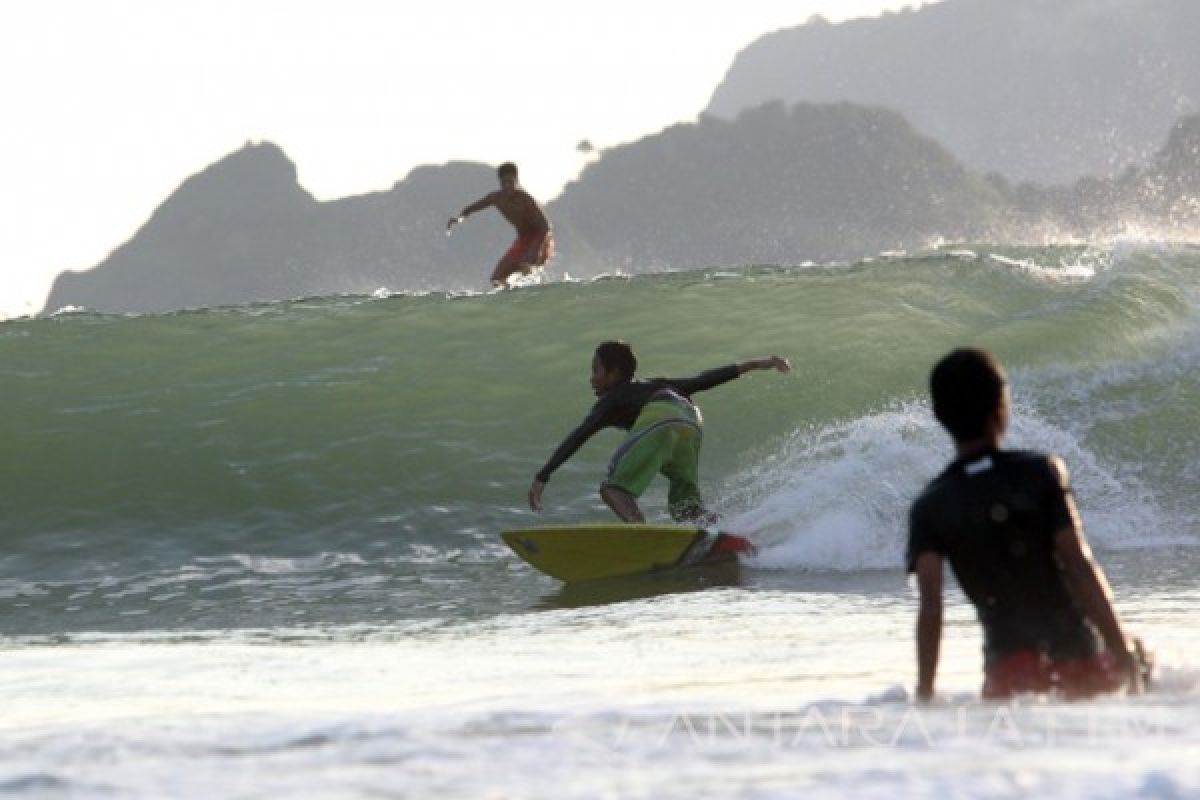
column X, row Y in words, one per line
column 344, row 415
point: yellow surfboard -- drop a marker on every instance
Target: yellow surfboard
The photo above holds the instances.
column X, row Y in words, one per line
column 588, row 552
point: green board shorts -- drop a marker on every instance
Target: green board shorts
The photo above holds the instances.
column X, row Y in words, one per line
column 665, row 438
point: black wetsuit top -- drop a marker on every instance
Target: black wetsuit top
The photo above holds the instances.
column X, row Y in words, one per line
column 619, row 408
column 994, row 516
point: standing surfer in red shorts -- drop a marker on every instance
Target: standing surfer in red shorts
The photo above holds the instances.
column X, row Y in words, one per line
column 534, row 245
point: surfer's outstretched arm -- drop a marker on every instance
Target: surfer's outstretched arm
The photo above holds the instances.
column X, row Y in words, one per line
column 709, row 379
column 479, row 205
column 715, row 377
column 575, row 439
column 778, row 363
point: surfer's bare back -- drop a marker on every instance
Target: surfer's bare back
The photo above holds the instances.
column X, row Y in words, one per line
column 534, row 245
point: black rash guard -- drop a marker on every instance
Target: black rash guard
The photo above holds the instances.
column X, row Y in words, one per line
column 619, row 408
column 994, row 517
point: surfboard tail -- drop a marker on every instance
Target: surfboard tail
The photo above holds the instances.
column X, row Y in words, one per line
column 733, row 543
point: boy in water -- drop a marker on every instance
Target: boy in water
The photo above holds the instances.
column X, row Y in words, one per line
column 1007, row 522
column 534, row 245
column 665, row 432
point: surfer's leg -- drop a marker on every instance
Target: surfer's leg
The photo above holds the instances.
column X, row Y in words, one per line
column 509, row 263
column 501, row 273
column 633, row 467
column 682, row 469
column 622, row 503
column 542, row 251
column 686, row 505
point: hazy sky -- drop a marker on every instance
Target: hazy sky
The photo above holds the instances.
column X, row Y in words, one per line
column 110, row 104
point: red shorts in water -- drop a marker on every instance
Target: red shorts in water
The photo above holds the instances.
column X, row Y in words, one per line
column 526, row 252
column 1030, row 671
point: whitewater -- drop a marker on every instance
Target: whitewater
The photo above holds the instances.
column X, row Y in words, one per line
column 252, row 551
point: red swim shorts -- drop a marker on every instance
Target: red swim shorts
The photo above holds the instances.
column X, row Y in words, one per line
column 530, row 251
column 1030, row 671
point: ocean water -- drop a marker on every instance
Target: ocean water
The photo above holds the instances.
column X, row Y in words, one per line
column 252, row 551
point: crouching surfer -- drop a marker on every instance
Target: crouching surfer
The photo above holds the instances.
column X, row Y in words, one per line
column 665, row 432
column 534, row 245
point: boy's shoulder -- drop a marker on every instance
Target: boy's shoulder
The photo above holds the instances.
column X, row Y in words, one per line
column 1036, row 466
column 1036, row 463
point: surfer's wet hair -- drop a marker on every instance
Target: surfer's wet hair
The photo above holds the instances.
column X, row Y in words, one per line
column 967, row 386
column 507, row 168
column 617, row 355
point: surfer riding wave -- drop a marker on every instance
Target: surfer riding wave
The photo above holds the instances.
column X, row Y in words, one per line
column 534, row 245
column 665, row 432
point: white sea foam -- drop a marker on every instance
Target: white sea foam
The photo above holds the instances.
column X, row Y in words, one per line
column 1063, row 272
column 838, row 498
column 728, row 693
column 282, row 566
